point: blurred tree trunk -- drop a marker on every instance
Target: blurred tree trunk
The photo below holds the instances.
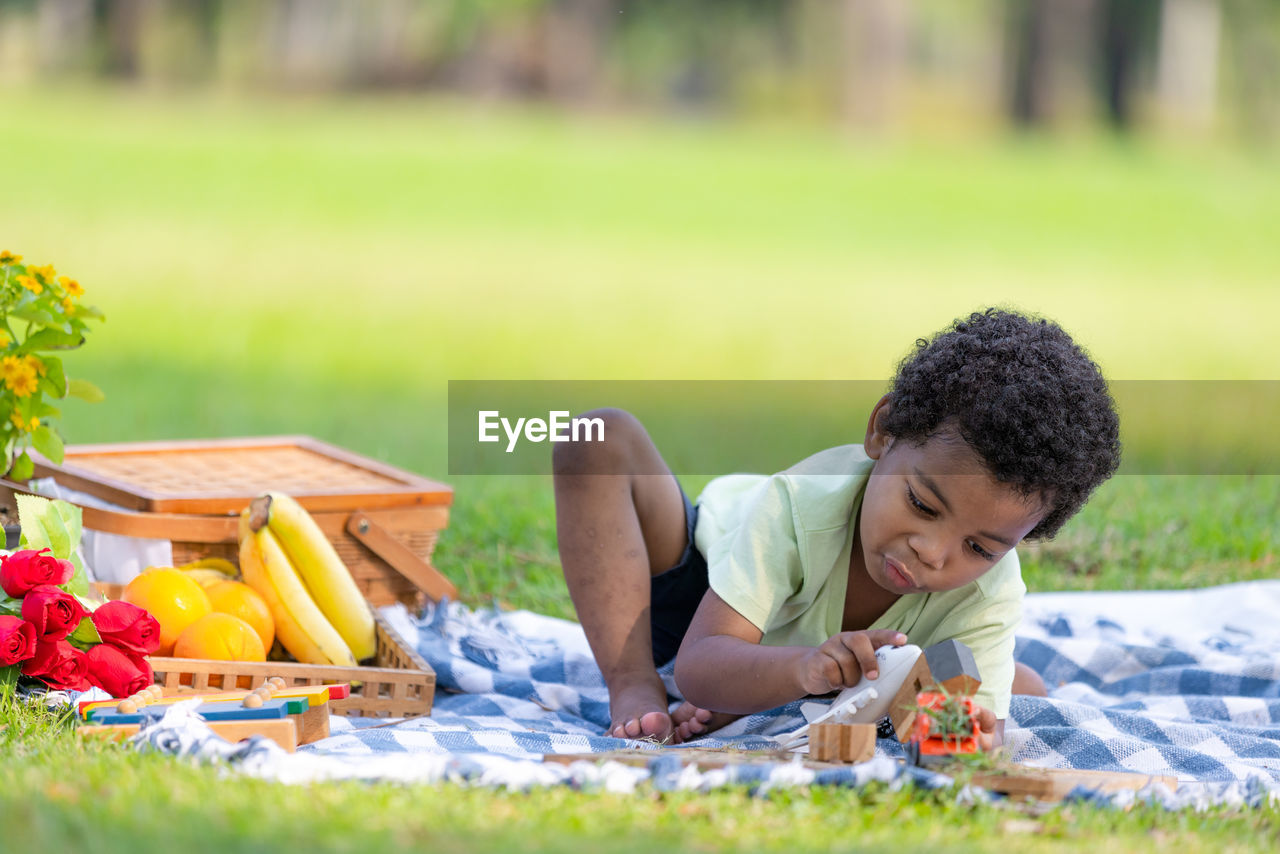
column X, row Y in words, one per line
column 1128, row 28
column 874, row 35
column 1254, row 31
column 576, row 33
column 64, row 33
column 1031, row 101
column 1187, row 65
column 120, row 27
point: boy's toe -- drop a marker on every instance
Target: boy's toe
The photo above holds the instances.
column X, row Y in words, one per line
column 655, row 725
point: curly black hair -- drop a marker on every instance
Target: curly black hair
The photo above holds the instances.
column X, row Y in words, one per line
column 1024, row 396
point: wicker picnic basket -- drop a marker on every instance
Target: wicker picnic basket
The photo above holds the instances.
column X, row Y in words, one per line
column 384, row 523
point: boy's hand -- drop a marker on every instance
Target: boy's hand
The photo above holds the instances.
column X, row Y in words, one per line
column 844, row 659
column 987, row 739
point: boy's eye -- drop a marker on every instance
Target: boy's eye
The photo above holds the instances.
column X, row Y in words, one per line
column 980, row 551
column 917, row 504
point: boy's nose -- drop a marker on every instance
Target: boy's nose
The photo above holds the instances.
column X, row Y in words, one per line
column 929, row 550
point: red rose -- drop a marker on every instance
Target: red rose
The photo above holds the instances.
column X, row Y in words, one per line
column 118, row 674
column 128, row 627
column 54, row 612
column 17, row 640
column 59, row 664
column 22, row 570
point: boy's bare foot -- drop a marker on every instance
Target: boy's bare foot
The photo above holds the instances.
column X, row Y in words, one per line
column 638, row 709
column 692, row 722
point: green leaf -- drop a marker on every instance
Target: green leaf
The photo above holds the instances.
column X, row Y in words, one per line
column 48, row 443
column 43, row 526
column 85, row 390
column 89, row 311
column 54, row 374
column 10, row 606
column 54, row 525
column 51, row 339
column 23, row 467
column 8, row 676
column 85, row 634
column 41, row 409
column 42, row 317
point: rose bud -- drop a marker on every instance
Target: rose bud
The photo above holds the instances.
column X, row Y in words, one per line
column 55, row 613
column 118, row 674
column 128, row 627
column 59, row 664
column 17, row 640
column 25, row 569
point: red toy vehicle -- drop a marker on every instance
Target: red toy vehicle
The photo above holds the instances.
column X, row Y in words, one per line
column 945, row 725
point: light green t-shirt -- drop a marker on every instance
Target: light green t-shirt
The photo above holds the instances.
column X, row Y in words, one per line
column 777, row 550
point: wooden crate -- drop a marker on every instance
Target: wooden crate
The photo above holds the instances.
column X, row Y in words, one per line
column 384, row 522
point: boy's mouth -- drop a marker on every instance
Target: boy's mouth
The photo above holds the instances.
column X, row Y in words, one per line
column 898, row 575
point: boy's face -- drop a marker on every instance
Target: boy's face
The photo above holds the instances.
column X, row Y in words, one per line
column 933, row 518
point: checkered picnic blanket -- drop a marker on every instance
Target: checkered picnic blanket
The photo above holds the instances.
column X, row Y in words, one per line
column 1183, row 683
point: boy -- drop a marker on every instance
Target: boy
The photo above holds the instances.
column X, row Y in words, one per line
column 774, row 588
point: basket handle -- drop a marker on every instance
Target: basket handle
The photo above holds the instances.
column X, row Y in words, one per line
column 400, row 557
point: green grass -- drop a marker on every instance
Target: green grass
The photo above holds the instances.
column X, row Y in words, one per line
column 325, row 267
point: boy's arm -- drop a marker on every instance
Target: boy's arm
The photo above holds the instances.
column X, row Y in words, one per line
column 723, row 667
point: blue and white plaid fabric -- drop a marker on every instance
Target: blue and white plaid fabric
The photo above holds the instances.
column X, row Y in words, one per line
column 1184, row 684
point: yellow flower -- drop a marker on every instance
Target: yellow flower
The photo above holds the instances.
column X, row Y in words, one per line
column 19, row 375
column 31, row 283
column 10, row 367
column 24, row 426
column 7, row 257
column 73, row 287
column 46, row 272
column 68, row 306
column 35, row 365
column 24, row 385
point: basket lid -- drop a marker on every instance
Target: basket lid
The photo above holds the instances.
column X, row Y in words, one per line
column 216, row 476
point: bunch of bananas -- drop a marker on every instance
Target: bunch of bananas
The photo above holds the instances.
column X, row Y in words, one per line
column 321, row 617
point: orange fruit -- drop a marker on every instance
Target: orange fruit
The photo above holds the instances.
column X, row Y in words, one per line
column 172, row 598
column 240, row 600
column 220, row 636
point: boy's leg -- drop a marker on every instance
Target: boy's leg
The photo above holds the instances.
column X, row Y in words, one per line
column 620, row 519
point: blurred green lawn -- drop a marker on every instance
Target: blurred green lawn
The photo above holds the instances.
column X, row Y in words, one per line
column 325, row 267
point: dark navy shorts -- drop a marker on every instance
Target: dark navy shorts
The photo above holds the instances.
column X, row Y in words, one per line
column 675, row 594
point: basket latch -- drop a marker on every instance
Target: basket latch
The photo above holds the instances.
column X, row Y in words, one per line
column 401, row 558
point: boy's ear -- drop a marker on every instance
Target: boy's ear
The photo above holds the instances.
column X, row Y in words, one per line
column 877, row 441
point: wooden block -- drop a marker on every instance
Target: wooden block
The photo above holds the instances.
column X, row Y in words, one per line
column 842, row 742
column 282, row 731
column 313, row 724
column 952, row 666
column 1054, row 784
column 902, row 711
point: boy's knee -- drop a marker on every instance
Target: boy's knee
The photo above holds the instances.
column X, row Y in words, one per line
column 608, row 452
column 1027, row 681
